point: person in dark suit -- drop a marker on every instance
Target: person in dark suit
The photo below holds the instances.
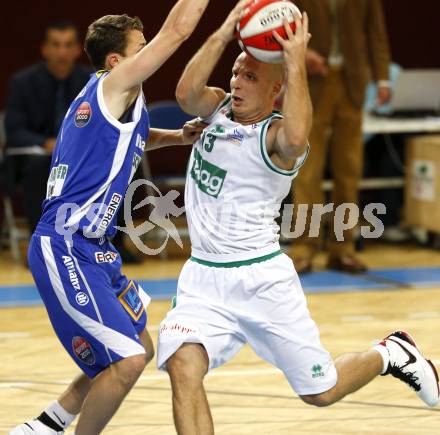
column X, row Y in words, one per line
column 38, row 98
column 349, row 47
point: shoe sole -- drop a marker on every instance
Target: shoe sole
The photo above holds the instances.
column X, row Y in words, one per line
column 405, row 336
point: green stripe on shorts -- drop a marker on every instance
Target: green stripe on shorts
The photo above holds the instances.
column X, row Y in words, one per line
column 237, row 263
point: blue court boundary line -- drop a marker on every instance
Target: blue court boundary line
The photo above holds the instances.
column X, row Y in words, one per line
column 313, row 283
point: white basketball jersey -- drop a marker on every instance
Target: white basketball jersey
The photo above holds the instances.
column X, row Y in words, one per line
column 234, row 191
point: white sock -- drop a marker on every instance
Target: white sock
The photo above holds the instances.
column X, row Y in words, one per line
column 385, row 356
column 59, row 415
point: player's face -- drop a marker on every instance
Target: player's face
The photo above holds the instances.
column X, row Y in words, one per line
column 135, row 43
column 61, row 49
column 252, row 87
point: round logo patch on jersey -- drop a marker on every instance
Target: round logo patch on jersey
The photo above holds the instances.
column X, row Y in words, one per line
column 83, row 114
column 83, row 350
column 82, row 299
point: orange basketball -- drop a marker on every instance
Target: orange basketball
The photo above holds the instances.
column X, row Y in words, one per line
column 254, row 31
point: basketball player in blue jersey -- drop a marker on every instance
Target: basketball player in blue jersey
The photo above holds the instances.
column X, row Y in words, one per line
column 97, row 313
column 238, row 287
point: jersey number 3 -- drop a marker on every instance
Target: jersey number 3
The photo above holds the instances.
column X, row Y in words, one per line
column 208, row 142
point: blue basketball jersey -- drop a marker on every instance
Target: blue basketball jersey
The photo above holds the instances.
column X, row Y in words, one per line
column 93, row 162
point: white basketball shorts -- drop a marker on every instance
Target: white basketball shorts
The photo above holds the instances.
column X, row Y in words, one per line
column 262, row 304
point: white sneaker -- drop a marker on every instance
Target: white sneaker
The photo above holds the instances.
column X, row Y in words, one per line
column 34, row 427
column 411, row 367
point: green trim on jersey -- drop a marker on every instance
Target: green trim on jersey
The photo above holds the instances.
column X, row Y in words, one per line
column 237, row 263
column 263, row 149
column 225, row 102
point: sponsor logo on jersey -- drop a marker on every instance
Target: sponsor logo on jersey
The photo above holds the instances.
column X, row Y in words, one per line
column 83, row 350
column 209, row 178
column 235, row 138
column 56, row 180
column 106, row 257
column 134, row 164
column 70, row 266
column 82, row 299
column 110, row 211
column 131, row 301
column 140, row 143
column 83, row 114
column 217, row 128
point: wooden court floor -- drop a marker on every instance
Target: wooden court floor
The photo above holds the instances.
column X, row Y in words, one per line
column 247, row 396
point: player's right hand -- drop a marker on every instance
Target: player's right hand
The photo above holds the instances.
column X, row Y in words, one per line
column 227, row 30
column 192, row 131
column 295, row 44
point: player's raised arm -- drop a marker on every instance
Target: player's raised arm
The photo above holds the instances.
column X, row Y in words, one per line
column 192, row 93
column 290, row 138
column 178, row 27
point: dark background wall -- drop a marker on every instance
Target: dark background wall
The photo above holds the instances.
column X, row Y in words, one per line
column 412, row 27
column 412, row 30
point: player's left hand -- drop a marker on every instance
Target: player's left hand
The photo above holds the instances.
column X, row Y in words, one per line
column 192, row 130
column 295, row 46
column 227, row 29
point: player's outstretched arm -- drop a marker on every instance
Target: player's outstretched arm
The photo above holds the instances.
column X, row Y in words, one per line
column 192, row 92
column 289, row 137
column 159, row 138
column 179, row 25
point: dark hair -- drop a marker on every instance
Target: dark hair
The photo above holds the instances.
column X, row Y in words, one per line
column 61, row 26
column 109, row 34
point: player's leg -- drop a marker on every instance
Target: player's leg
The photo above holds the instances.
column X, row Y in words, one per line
column 397, row 355
column 91, row 323
column 72, row 399
column 187, row 369
column 61, row 413
column 108, row 391
column 200, row 333
column 111, row 386
column 292, row 344
column 354, row 370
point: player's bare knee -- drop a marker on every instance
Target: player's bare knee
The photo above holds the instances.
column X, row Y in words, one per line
column 149, row 354
column 138, row 362
column 320, row 400
column 183, row 373
column 129, row 369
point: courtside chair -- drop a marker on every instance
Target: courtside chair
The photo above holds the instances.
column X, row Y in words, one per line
column 10, row 233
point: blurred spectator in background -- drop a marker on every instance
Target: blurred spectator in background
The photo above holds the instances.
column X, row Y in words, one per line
column 38, row 98
column 384, row 157
column 348, row 46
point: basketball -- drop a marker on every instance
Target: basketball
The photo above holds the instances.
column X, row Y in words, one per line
column 254, row 31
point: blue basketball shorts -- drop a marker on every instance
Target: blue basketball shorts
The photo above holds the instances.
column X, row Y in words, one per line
column 96, row 312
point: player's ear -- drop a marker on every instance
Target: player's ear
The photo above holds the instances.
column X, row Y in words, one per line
column 112, row 60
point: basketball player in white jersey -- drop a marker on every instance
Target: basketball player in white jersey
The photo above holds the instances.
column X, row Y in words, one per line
column 98, row 314
column 238, row 287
